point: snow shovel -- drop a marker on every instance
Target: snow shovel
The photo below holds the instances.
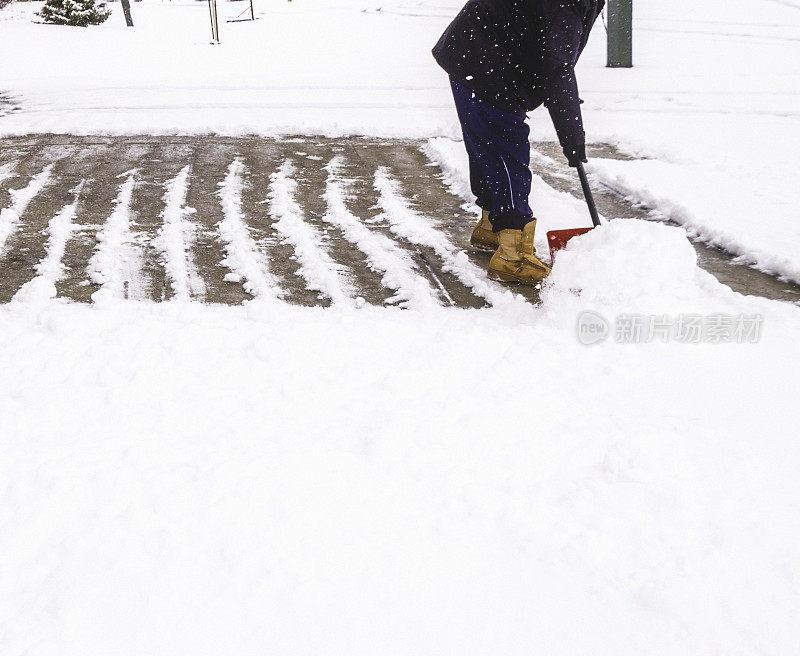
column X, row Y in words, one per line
column 557, row 239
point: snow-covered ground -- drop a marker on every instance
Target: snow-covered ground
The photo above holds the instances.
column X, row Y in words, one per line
column 178, row 478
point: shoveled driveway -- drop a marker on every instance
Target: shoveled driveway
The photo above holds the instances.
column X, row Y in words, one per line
column 313, row 221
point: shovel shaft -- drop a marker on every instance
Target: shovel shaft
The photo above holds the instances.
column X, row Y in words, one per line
column 587, row 192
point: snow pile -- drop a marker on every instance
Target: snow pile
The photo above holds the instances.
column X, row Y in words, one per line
column 35, row 292
column 627, row 263
column 758, row 222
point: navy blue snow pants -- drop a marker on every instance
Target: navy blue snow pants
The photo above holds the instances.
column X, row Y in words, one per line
column 499, row 158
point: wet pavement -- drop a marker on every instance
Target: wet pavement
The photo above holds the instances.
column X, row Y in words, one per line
column 168, row 229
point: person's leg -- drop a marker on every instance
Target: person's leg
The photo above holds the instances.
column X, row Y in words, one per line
column 483, row 236
column 511, row 187
column 497, row 144
column 466, row 110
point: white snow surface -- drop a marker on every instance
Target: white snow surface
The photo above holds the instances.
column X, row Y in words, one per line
column 278, row 479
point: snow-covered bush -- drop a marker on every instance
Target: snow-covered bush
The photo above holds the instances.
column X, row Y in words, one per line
column 3, row 3
column 75, row 12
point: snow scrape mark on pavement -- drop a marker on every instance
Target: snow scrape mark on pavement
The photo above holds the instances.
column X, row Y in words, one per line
column 50, row 270
column 20, row 198
column 407, row 223
column 320, row 272
column 243, row 257
column 117, row 261
column 399, row 272
column 7, row 170
column 175, row 239
column 59, row 229
column 455, row 181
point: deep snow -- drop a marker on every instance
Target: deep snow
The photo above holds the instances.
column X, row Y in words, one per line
column 277, row 479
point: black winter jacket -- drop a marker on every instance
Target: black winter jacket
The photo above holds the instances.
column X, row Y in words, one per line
column 519, row 54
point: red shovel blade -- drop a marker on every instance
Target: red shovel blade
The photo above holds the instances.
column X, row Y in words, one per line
column 557, row 239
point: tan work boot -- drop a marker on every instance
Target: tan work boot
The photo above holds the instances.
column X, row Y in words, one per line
column 515, row 260
column 482, row 235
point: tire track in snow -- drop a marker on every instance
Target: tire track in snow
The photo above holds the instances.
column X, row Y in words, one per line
column 317, row 267
column 116, row 264
column 243, row 257
column 410, row 225
column 20, row 199
column 175, row 240
column 399, row 272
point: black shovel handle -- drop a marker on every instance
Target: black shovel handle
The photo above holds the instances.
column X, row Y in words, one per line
column 587, row 192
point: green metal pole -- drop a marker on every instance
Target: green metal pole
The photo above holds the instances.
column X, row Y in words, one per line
column 620, row 33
